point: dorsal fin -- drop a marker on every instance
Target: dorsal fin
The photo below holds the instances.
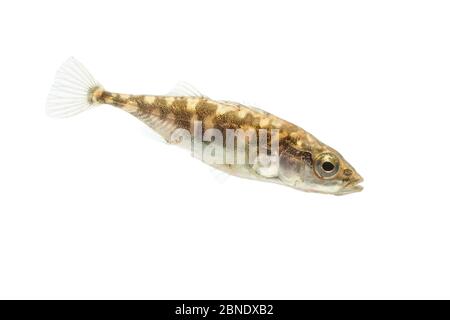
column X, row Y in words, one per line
column 184, row 89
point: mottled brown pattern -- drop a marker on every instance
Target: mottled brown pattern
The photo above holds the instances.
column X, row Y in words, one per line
column 182, row 116
column 213, row 115
column 228, row 120
column 114, row 99
column 304, row 156
column 160, row 104
column 205, row 109
column 140, row 103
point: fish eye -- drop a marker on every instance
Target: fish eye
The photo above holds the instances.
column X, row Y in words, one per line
column 326, row 165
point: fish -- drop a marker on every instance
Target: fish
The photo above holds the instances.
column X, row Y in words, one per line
column 241, row 140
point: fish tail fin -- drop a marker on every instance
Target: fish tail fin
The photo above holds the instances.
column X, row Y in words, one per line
column 74, row 90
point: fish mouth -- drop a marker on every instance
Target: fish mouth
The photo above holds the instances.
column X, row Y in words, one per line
column 351, row 187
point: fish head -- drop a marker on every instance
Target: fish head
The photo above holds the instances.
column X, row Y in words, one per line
column 318, row 168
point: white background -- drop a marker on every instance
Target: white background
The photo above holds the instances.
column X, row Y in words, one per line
column 96, row 207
